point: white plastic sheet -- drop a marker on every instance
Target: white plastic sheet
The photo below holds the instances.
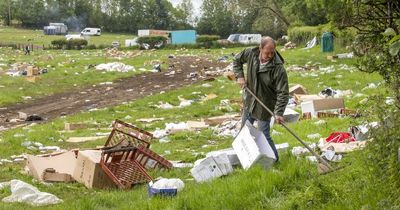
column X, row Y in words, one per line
column 26, row 193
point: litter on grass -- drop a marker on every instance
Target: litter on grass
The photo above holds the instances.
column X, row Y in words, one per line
column 25, row 193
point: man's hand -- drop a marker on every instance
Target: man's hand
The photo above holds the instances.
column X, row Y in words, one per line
column 241, row 82
column 279, row 119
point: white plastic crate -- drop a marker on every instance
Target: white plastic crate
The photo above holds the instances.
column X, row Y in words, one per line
column 251, row 147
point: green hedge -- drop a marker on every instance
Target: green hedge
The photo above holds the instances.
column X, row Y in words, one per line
column 152, row 40
column 207, row 38
column 59, row 43
column 213, row 45
column 302, row 34
column 69, row 44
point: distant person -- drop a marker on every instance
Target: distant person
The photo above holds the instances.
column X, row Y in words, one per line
column 267, row 79
column 27, row 50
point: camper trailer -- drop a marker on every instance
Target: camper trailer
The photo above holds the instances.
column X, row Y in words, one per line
column 245, row 38
column 91, row 32
column 55, row 29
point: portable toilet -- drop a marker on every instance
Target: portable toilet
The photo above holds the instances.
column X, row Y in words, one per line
column 183, row 37
column 327, row 42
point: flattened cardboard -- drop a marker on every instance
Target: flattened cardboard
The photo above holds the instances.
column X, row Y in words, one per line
column 57, row 177
column 298, row 89
column 63, row 163
column 83, row 139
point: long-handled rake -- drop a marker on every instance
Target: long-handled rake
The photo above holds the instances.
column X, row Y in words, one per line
column 323, row 166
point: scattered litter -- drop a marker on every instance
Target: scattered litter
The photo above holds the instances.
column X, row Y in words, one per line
column 149, row 120
column 84, row 139
column 331, row 156
column 196, row 125
column 206, row 85
column 118, row 67
column 185, row 103
column 175, row 127
column 26, row 193
column 370, row 86
column 169, row 184
column 298, row 151
column 344, row 147
column 282, row 147
column 340, row 137
column 312, row 159
column 314, row 136
column 165, row 106
column 228, row 128
column 289, row 45
column 115, row 53
column 164, row 140
column 180, row 164
column 158, row 133
column 320, row 122
column 230, row 152
column 211, row 167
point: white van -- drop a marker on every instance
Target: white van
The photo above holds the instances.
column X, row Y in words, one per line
column 91, row 32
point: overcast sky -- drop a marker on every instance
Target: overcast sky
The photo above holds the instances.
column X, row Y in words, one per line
column 196, row 4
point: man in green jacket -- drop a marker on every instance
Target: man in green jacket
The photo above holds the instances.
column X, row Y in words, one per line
column 267, row 79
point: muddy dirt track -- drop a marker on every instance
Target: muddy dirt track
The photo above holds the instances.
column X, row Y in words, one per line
column 121, row 90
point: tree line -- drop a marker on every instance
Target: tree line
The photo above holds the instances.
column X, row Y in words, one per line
column 219, row 17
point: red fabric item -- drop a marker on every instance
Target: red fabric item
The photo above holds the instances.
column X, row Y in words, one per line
column 340, row 137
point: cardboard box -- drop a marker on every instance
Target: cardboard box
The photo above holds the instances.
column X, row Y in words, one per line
column 322, row 105
column 298, row 89
column 32, row 71
column 89, row 172
column 252, row 148
column 75, row 126
column 62, row 163
column 32, row 78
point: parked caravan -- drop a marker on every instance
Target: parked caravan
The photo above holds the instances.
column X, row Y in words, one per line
column 245, row 38
column 152, row 32
column 55, row 29
column 91, row 32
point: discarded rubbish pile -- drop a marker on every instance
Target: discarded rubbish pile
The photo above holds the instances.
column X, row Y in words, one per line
column 116, row 66
column 250, row 148
column 328, row 103
column 25, row 69
column 337, row 144
column 123, row 162
column 115, row 53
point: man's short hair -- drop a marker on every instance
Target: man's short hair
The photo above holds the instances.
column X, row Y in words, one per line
column 265, row 40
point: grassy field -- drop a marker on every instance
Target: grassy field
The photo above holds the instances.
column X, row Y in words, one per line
column 291, row 184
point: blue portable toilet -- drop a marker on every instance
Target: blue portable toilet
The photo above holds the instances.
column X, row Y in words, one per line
column 183, row 37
